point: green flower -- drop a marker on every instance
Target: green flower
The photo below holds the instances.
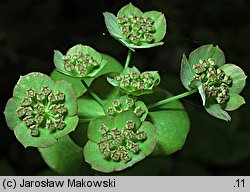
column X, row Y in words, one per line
column 133, row 82
column 126, row 103
column 41, row 110
column 219, row 84
column 136, row 29
column 117, row 142
column 80, row 61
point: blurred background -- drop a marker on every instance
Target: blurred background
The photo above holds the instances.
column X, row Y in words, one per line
column 30, row 30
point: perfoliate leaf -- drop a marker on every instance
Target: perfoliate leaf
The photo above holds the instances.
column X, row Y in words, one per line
column 170, row 121
column 65, row 157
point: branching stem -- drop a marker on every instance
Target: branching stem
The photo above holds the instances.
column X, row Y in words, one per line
column 174, row 98
column 92, row 93
column 128, row 59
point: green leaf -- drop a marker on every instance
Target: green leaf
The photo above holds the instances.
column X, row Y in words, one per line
column 89, row 109
column 70, row 96
column 186, row 72
column 234, row 102
column 128, row 10
column 206, row 52
column 170, row 121
column 238, row 76
column 76, row 82
column 45, row 138
column 101, row 84
column 11, row 117
column 216, row 111
column 112, row 25
column 112, row 66
column 93, row 157
column 159, row 24
column 35, row 80
column 65, row 157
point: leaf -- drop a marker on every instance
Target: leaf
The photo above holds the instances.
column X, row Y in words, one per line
column 112, row 25
column 65, row 157
column 234, row 102
column 11, row 117
column 76, row 82
column 206, row 52
column 216, row 111
column 128, row 10
column 186, row 72
column 89, row 109
column 159, row 24
column 112, row 66
column 238, row 76
column 170, row 121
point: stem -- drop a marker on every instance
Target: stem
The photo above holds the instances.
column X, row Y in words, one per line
column 95, row 96
column 128, row 59
column 174, row 98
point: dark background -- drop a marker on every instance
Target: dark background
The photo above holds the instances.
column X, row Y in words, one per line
column 30, row 30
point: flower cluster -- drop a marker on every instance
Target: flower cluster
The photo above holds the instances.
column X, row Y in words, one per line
column 125, row 103
column 137, row 29
column 116, row 143
column 133, row 82
column 42, row 110
column 215, row 82
column 81, row 64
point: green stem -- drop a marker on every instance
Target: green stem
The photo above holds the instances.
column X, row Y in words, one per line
column 128, row 59
column 174, row 98
column 92, row 93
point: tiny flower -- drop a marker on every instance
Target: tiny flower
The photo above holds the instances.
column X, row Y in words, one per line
column 136, row 29
column 218, row 83
column 136, row 85
column 108, row 154
column 80, row 61
column 41, row 110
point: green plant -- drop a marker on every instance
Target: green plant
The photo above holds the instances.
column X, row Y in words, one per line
column 92, row 110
